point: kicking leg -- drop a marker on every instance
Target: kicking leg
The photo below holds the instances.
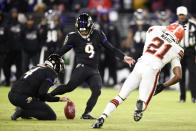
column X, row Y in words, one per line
column 95, row 84
column 146, row 91
column 78, row 76
column 111, row 107
column 130, row 84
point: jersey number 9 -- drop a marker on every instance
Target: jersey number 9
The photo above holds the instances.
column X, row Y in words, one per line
column 90, row 50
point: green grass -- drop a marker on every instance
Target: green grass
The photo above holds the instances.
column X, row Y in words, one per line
column 163, row 114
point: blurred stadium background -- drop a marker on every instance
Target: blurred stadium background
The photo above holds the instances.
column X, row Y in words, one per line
column 60, row 15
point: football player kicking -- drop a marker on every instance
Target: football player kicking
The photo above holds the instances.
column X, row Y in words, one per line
column 87, row 42
column 29, row 93
column 161, row 47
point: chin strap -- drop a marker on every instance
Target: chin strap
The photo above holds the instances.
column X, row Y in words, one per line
column 87, row 36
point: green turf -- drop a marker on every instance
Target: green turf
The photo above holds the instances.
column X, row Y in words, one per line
column 163, row 114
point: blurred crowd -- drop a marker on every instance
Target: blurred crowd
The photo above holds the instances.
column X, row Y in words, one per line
column 31, row 30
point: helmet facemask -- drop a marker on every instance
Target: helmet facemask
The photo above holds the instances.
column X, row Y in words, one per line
column 55, row 62
column 84, row 25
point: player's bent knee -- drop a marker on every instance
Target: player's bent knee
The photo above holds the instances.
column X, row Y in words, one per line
column 53, row 118
column 97, row 92
column 50, row 115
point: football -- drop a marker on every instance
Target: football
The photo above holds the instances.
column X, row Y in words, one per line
column 69, row 110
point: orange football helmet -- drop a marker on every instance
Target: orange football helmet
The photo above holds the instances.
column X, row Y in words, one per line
column 176, row 31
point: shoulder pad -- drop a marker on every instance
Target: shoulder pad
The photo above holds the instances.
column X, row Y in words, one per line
column 151, row 28
column 95, row 29
column 175, row 22
column 160, row 28
column 68, row 36
column 70, row 33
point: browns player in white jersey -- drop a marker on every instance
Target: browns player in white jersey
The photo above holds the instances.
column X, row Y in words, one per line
column 161, row 47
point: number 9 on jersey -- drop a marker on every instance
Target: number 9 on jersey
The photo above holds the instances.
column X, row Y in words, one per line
column 90, row 50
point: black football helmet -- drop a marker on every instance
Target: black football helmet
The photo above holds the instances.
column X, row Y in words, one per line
column 56, row 62
column 84, row 23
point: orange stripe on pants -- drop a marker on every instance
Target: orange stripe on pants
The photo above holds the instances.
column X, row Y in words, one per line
column 153, row 89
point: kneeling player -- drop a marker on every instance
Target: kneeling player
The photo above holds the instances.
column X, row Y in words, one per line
column 29, row 93
column 161, row 47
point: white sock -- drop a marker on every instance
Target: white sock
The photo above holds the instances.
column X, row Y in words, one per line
column 108, row 110
column 103, row 116
column 111, row 106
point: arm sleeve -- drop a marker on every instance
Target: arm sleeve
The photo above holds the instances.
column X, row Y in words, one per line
column 59, row 90
column 66, row 46
column 43, row 95
column 106, row 44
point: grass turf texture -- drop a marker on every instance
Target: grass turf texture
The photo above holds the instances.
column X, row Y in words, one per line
column 164, row 113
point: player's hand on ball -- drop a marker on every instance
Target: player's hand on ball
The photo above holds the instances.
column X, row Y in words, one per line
column 159, row 88
column 129, row 60
column 64, row 99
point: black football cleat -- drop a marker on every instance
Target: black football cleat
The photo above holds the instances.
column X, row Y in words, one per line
column 17, row 113
column 138, row 112
column 182, row 101
column 87, row 116
column 194, row 100
column 138, row 115
column 98, row 123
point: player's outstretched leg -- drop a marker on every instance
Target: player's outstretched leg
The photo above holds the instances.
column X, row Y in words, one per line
column 98, row 123
column 140, row 106
column 17, row 114
column 111, row 107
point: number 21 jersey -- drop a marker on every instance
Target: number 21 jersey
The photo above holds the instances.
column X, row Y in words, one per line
column 160, row 48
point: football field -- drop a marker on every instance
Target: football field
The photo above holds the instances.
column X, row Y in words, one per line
column 164, row 113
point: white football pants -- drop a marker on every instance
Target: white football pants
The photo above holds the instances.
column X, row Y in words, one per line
column 144, row 77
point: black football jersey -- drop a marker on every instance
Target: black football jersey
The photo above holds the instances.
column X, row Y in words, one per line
column 139, row 34
column 87, row 51
column 31, row 82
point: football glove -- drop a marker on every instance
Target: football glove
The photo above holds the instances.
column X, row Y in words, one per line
column 159, row 88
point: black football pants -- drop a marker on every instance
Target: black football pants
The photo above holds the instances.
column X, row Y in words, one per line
column 37, row 109
column 188, row 62
column 28, row 57
column 86, row 74
column 109, row 62
column 13, row 57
